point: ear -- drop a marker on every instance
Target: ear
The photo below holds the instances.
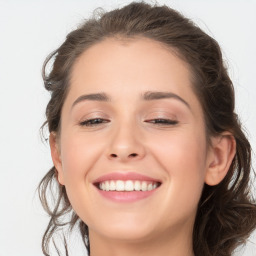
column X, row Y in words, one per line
column 220, row 156
column 56, row 156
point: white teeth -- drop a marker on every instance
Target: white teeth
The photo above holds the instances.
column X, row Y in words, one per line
column 112, row 185
column 120, row 185
column 107, row 186
column 137, row 185
column 129, row 185
column 144, row 186
column 150, row 187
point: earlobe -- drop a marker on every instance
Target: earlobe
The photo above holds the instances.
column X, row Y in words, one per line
column 56, row 157
column 222, row 152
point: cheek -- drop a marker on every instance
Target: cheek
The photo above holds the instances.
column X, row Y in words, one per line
column 183, row 157
column 78, row 159
column 79, row 153
column 184, row 151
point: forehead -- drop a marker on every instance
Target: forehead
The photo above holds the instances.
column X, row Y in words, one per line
column 128, row 64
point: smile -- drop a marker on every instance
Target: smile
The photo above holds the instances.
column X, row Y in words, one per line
column 128, row 185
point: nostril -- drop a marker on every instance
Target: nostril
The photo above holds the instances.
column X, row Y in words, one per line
column 133, row 155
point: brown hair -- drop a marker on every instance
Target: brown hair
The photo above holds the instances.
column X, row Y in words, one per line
column 226, row 212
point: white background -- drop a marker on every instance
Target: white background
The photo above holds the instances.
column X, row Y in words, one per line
column 29, row 31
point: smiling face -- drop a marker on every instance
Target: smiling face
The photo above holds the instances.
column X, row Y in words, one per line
column 131, row 114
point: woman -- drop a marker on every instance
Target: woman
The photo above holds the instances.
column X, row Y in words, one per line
column 149, row 156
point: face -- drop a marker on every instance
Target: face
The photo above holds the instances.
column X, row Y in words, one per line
column 131, row 115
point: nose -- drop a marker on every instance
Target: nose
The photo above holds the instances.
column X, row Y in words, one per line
column 126, row 144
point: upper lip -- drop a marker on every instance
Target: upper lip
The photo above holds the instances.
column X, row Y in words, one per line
column 124, row 176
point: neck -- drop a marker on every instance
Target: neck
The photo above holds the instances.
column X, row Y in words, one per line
column 178, row 244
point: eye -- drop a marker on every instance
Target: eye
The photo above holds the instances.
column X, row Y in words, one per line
column 93, row 122
column 162, row 121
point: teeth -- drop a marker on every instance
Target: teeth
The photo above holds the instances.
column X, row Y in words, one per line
column 107, row 186
column 137, row 185
column 144, row 186
column 112, row 185
column 150, row 187
column 120, row 185
column 129, row 185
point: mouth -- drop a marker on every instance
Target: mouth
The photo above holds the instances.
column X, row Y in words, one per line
column 126, row 187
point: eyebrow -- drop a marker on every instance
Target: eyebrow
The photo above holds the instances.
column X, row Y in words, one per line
column 147, row 96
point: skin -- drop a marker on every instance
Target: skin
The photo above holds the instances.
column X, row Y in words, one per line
column 130, row 139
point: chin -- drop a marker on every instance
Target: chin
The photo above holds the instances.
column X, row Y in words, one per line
column 128, row 234
column 125, row 230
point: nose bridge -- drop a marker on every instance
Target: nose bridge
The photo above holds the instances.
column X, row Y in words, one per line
column 126, row 142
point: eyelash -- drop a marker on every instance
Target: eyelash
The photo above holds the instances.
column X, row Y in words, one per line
column 157, row 121
column 93, row 122
column 162, row 121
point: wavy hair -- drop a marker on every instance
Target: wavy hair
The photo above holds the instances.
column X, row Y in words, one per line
column 226, row 212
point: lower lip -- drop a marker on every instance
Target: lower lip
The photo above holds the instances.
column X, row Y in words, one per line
column 126, row 196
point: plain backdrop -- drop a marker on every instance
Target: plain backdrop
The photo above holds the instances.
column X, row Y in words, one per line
column 29, row 31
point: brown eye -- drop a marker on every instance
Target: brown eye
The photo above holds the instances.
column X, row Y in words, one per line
column 94, row 122
column 162, row 121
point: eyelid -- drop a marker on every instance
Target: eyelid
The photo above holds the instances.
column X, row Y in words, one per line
column 161, row 114
column 161, row 117
column 93, row 122
column 155, row 117
column 162, row 121
column 93, row 115
column 90, row 122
